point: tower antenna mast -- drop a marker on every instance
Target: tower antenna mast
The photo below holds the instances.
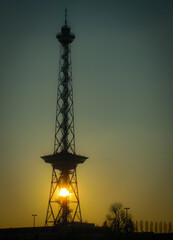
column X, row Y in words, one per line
column 65, row 16
column 63, row 204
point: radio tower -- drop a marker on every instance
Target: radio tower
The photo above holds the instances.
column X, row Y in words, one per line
column 64, row 205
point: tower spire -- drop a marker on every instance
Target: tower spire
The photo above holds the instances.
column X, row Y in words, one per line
column 63, row 204
column 65, row 16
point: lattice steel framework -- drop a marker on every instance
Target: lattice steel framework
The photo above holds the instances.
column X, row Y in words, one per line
column 60, row 209
column 64, row 160
column 64, row 128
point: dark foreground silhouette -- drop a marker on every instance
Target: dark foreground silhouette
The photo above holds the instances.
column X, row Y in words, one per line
column 80, row 231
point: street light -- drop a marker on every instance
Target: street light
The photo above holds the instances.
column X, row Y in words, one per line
column 34, row 215
column 126, row 208
column 127, row 222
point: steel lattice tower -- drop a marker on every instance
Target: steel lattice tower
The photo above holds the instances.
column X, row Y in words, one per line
column 64, row 205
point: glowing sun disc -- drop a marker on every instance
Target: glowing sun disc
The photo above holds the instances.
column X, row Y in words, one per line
column 63, row 192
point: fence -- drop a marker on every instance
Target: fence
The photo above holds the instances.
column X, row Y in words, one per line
column 156, row 227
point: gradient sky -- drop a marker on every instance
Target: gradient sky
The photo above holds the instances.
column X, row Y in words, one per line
column 122, row 61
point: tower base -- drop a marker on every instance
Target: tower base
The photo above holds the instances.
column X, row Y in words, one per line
column 63, row 207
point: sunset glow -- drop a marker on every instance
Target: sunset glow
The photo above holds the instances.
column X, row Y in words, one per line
column 120, row 72
column 64, row 192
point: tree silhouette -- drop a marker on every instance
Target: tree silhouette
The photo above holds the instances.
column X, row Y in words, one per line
column 118, row 220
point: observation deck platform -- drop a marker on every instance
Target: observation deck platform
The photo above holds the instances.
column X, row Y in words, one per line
column 64, row 160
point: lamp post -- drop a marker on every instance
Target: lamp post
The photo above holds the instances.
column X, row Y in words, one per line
column 34, row 215
column 127, row 223
column 127, row 208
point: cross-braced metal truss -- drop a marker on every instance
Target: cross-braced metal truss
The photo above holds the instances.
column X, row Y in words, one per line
column 63, row 209
column 64, row 127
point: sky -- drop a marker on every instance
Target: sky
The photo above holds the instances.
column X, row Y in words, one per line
column 122, row 61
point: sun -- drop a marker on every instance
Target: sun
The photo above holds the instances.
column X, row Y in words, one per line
column 64, row 192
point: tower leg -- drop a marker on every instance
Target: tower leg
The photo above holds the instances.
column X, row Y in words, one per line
column 63, row 208
column 50, row 217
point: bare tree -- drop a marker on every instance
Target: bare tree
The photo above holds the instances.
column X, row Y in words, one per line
column 118, row 221
column 105, row 225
